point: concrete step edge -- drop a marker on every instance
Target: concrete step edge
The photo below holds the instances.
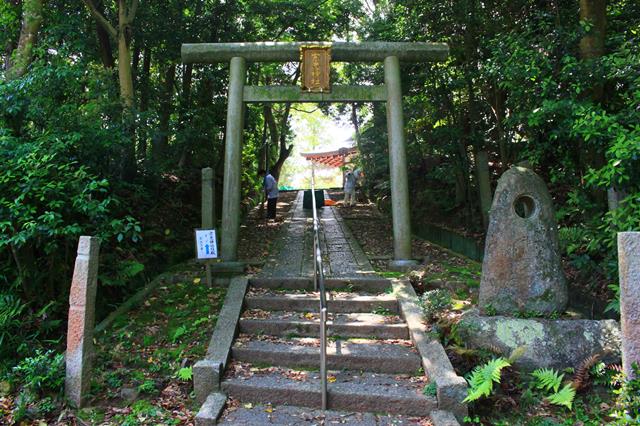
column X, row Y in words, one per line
column 307, row 303
column 373, row 284
column 378, row 358
column 365, row 398
column 312, row 329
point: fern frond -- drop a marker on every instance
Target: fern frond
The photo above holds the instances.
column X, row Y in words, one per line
column 615, row 367
column 564, row 397
column 547, row 379
column 581, row 377
column 10, row 310
column 482, row 378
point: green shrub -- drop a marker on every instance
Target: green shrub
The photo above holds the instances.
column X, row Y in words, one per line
column 434, row 301
column 42, row 373
column 41, row 382
column 627, row 409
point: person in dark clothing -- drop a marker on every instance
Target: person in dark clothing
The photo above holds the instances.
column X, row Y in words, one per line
column 271, row 191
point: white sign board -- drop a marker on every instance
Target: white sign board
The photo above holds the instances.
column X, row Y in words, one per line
column 206, row 245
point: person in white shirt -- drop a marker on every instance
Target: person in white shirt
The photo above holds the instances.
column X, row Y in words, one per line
column 271, row 191
column 349, row 189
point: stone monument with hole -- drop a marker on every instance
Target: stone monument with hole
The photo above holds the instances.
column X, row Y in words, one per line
column 522, row 271
column 522, row 276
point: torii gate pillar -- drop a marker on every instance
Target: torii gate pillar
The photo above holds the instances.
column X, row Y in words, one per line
column 397, row 166
column 233, row 160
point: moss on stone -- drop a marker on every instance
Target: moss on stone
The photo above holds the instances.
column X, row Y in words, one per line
column 514, row 333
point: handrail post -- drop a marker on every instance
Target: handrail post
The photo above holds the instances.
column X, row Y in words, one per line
column 318, row 281
column 323, row 356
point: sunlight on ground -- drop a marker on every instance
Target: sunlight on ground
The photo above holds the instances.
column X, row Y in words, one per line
column 314, row 132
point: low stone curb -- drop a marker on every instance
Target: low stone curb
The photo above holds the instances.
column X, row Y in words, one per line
column 451, row 388
column 207, row 372
column 443, row 418
column 211, row 409
column 139, row 297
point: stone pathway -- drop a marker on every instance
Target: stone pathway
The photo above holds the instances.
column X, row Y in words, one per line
column 292, row 254
column 373, row 365
column 376, row 374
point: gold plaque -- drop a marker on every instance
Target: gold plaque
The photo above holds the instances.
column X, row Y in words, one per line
column 316, row 66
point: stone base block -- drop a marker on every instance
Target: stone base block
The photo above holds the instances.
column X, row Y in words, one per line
column 402, row 265
column 206, row 378
column 211, row 409
column 443, row 418
column 547, row 343
column 233, row 268
column 451, row 391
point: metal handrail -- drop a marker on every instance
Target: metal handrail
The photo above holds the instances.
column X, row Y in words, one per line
column 318, row 283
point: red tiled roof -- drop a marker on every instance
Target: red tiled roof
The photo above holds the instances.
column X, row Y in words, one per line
column 330, row 158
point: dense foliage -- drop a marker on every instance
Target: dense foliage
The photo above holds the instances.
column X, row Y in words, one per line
column 520, row 85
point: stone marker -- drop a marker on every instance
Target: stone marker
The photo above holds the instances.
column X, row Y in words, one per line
column 521, row 271
column 629, row 268
column 208, row 210
column 82, row 300
column 208, row 195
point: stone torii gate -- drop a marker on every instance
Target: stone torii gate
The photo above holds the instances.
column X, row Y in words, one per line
column 391, row 53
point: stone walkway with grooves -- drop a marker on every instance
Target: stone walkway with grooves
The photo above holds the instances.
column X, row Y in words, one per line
column 292, row 253
column 376, row 374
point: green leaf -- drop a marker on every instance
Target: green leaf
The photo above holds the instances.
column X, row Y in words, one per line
column 547, row 379
column 131, row 269
column 482, row 379
column 564, row 397
column 185, row 373
column 177, row 333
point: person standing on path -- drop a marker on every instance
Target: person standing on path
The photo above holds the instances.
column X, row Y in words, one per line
column 271, row 191
column 349, row 189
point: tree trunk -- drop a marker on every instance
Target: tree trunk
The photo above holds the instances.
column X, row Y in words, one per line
column 144, row 105
column 497, row 103
column 185, row 106
column 126, row 14
column 161, row 139
column 125, row 74
column 263, row 155
column 104, row 44
column 594, row 12
column 23, row 54
column 135, row 63
column 484, row 185
column 284, row 151
column 125, row 77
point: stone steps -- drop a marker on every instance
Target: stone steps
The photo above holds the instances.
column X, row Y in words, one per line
column 375, row 371
column 366, row 355
column 310, row 303
column 343, row 325
column 360, row 284
column 348, row 390
column 268, row 414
